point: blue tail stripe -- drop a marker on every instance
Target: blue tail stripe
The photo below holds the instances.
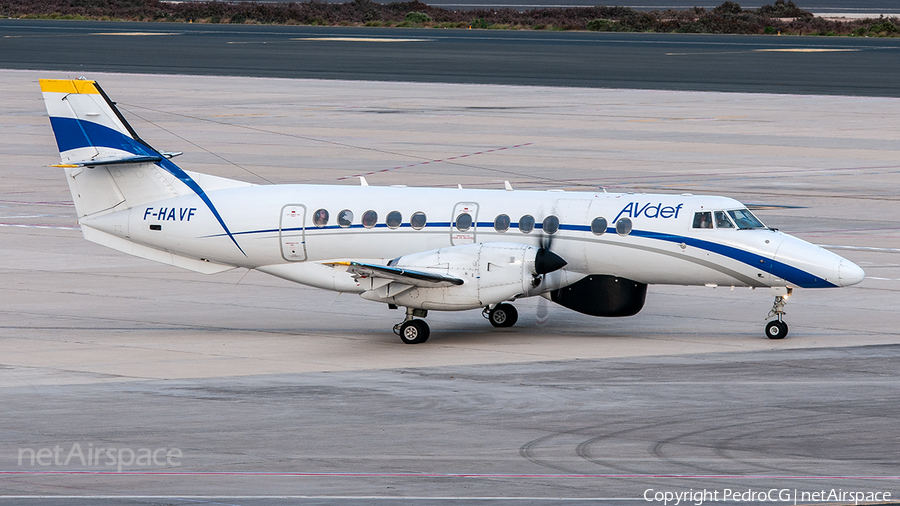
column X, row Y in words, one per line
column 75, row 133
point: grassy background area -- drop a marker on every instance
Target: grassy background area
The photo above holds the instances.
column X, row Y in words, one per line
column 729, row 18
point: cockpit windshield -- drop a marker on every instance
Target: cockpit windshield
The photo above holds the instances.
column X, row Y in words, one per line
column 745, row 220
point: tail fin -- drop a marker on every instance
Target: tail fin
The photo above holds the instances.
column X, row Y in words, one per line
column 109, row 168
column 105, row 160
column 88, row 127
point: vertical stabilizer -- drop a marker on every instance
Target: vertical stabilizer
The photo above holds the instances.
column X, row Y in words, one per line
column 110, row 168
column 107, row 165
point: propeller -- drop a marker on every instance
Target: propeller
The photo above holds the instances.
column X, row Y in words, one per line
column 546, row 261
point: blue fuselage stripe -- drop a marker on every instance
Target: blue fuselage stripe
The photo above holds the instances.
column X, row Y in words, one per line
column 793, row 275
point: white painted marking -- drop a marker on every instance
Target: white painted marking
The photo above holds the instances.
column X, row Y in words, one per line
column 805, row 50
column 322, row 497
column 134, row 33
column 63, row 227
column 362, row 39
column 859, row 248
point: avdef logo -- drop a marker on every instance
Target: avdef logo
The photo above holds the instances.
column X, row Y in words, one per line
column 649, row 210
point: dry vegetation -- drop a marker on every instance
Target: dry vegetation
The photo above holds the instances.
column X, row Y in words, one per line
column 781, row 17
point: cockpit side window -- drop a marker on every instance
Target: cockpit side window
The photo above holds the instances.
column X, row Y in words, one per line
column 703, row 219
column 745, row 219
column 722, row 220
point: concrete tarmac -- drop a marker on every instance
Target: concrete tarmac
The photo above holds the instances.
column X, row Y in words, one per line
column 273, row 393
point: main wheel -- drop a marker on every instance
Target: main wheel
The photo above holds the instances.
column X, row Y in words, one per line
column 504, row 315
column 776, row 330
column 414, row 332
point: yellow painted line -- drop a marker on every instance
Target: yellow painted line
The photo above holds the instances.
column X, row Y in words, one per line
column 804, row 50
column 361, row 39
column 69, row 86
column 134, row 33
column 235, row 115
column 781, row 50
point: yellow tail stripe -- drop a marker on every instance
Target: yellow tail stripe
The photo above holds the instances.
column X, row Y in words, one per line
column 69, row 86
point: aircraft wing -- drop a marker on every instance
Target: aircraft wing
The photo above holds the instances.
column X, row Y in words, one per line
column 405, row 276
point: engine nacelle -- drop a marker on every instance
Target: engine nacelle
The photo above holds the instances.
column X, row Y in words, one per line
column 492, row 272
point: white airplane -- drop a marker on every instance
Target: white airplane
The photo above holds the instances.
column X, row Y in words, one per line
column 421, row 248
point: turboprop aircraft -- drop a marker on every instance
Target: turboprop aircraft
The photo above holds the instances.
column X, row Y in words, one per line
column 422, row 249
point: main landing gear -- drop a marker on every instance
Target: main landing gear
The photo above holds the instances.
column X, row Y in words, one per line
column 412, row 330
column 501, row 315
column 777, row 329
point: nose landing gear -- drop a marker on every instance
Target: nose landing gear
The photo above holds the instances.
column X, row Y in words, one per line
column 778, row 329
column 412, row 330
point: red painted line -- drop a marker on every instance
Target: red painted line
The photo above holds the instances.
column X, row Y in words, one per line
column 449, row 475
column 436, row 161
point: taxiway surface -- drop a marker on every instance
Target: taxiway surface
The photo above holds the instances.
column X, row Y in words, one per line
column 730, row 63
column 276, row 393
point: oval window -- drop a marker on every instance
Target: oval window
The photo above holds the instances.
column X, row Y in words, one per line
column 464, row 222
column 320, row 218
column 526, row 224
column 417, row 220
column 369, row 219
column 345, row 218
column 598, row 226
column 550, row 224
column 501, row 223
column 623, row 226
column 394, row 219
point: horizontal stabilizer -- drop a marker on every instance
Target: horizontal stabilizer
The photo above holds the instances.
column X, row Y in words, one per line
column 111, row 160
column 415, row 278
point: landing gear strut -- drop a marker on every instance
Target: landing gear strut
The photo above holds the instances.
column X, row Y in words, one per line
column 412, row 330
column 777, row 329
column 501, row 315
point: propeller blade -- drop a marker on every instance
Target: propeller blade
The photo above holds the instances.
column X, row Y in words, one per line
column 547, row 261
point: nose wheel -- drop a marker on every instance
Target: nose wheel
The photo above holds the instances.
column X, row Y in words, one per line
column 413, row 330
column 777, row 329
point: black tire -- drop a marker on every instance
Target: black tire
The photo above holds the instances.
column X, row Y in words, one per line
column 504, row 315
column 414, row 332
column 776, row 329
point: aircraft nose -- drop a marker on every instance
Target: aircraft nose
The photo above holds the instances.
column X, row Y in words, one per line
column 849, row 273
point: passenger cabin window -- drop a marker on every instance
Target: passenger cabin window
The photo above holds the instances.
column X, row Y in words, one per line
column 598, row 226
column 345, row 218
column 369, row 219
column 526, row 224
column 703, row 219
column 320, row 218
column 550, row 225
column 417, row 220
column 722, row 220
column 745, row 220
column 394, row 219
column 623, row 226
column 501, row 223
column 464, row 222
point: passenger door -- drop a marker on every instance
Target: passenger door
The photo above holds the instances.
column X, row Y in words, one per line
column 463, row 223
column 292, row 232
